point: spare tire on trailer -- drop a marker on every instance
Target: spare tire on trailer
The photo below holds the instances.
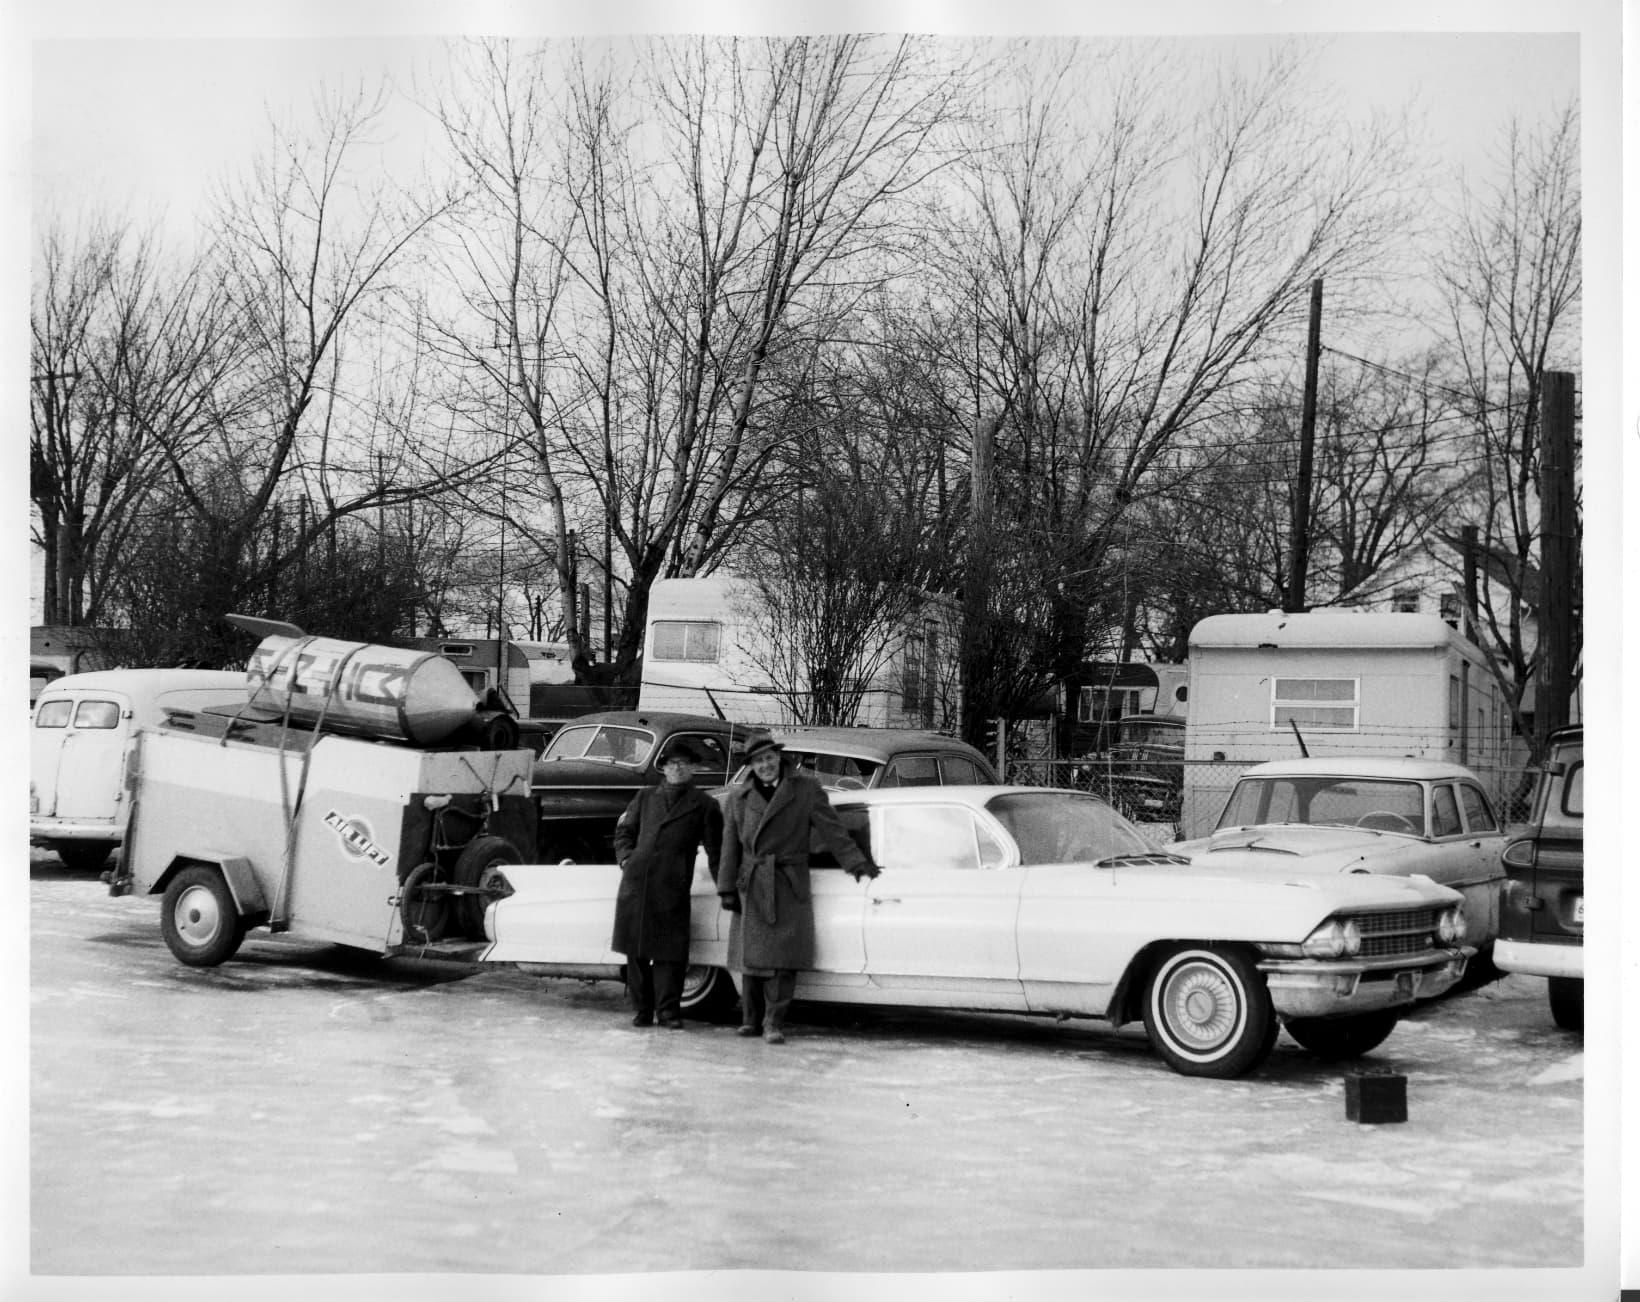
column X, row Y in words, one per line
column 475, row 869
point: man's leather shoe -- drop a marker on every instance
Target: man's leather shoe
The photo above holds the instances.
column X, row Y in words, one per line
column 672, row 1023
column 748, row 1030
column 774, row 1037
column 644, row 1019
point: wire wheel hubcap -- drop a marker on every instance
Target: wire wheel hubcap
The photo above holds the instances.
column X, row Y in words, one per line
column 1201, row 1006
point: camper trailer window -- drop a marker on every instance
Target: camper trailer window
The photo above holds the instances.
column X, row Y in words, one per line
column 1331, row 703
column 686, row 639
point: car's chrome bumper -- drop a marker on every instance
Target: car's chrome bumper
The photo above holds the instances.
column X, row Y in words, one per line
column 1535, row 958
column 1313, row 988
column 42, row 831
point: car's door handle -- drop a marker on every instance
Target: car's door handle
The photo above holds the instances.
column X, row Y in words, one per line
column 885, row 899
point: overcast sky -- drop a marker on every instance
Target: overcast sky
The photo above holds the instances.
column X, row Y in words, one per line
column 143, row 124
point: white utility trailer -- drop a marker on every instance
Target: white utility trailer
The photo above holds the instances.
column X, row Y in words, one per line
column 381, row 835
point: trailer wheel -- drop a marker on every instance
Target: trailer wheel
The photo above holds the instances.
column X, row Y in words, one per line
column 475, row 867
column 198, row 918
column 425, row 914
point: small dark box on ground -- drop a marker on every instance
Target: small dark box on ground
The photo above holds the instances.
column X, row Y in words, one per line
column 1375, row 1096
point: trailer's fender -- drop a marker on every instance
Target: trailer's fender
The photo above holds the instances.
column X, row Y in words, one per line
column 236, row 870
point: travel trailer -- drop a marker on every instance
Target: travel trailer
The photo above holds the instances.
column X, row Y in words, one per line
column 712, row 646
column 1335, row 682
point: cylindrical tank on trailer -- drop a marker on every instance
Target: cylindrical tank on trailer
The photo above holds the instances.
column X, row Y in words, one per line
column 362, row 688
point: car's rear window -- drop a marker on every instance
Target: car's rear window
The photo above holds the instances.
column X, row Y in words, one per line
column 1564, row 807
column 603, row 742
column 912, row 771
column 834, row 772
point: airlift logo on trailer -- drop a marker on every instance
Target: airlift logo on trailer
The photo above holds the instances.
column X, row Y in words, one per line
column 357, row 840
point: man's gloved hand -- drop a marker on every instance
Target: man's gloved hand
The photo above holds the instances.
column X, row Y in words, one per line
column 869, row 870
column 730, row 901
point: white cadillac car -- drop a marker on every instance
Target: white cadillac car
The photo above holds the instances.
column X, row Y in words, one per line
column 1024, row 900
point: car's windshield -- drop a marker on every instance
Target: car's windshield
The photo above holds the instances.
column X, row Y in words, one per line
column 608, row 742
column 1379, row 803
column 1060, row 827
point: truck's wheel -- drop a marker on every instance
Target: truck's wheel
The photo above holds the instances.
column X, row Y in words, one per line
column 1208, row 1012
column 82, row 856
column 198, row 918
column 708, row 993
column 474, row 867
column 1333, row 1039
column 1566, row 1002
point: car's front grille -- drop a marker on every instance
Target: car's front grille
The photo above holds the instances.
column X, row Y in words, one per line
column 1389, row 935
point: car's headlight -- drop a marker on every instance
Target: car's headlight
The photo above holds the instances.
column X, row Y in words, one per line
column 1451, row 927
column 1333, row 939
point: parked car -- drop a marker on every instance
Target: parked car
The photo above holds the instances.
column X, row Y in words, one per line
column 855, row 759
column 1395, row 816
column 1025, row 900
column 1143, row 773
column 41, row 674
column 84, row 726
column 1542, row 928
column 595, row 764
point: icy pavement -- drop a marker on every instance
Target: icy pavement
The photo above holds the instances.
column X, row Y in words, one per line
column 307, row 1109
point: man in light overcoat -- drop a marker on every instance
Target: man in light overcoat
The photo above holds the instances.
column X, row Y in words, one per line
column 763, row 880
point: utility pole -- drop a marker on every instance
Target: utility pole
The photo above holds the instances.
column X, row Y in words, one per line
column 1558, row 544
column 977, row 570
column 1306, row 459
column 1471, row 582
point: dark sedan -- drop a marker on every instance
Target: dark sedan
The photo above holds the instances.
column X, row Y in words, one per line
column 595, row 764
column 853, row 759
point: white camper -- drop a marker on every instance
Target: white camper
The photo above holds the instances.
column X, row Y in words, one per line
column 711, row 646
column 1362, row 683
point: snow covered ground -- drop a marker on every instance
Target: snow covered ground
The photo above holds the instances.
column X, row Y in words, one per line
column 307, row 1110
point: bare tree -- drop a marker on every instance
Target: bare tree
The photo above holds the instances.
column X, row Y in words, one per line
column 1131, row 268
column 129, row 357
column 509, row 262
column 1512, row 281
column 676, row 203
column 305, row 253
column 792, row 184
column 850, row 559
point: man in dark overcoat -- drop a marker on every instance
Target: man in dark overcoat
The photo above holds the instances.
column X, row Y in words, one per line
column 763, row 880
column 655, row 843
